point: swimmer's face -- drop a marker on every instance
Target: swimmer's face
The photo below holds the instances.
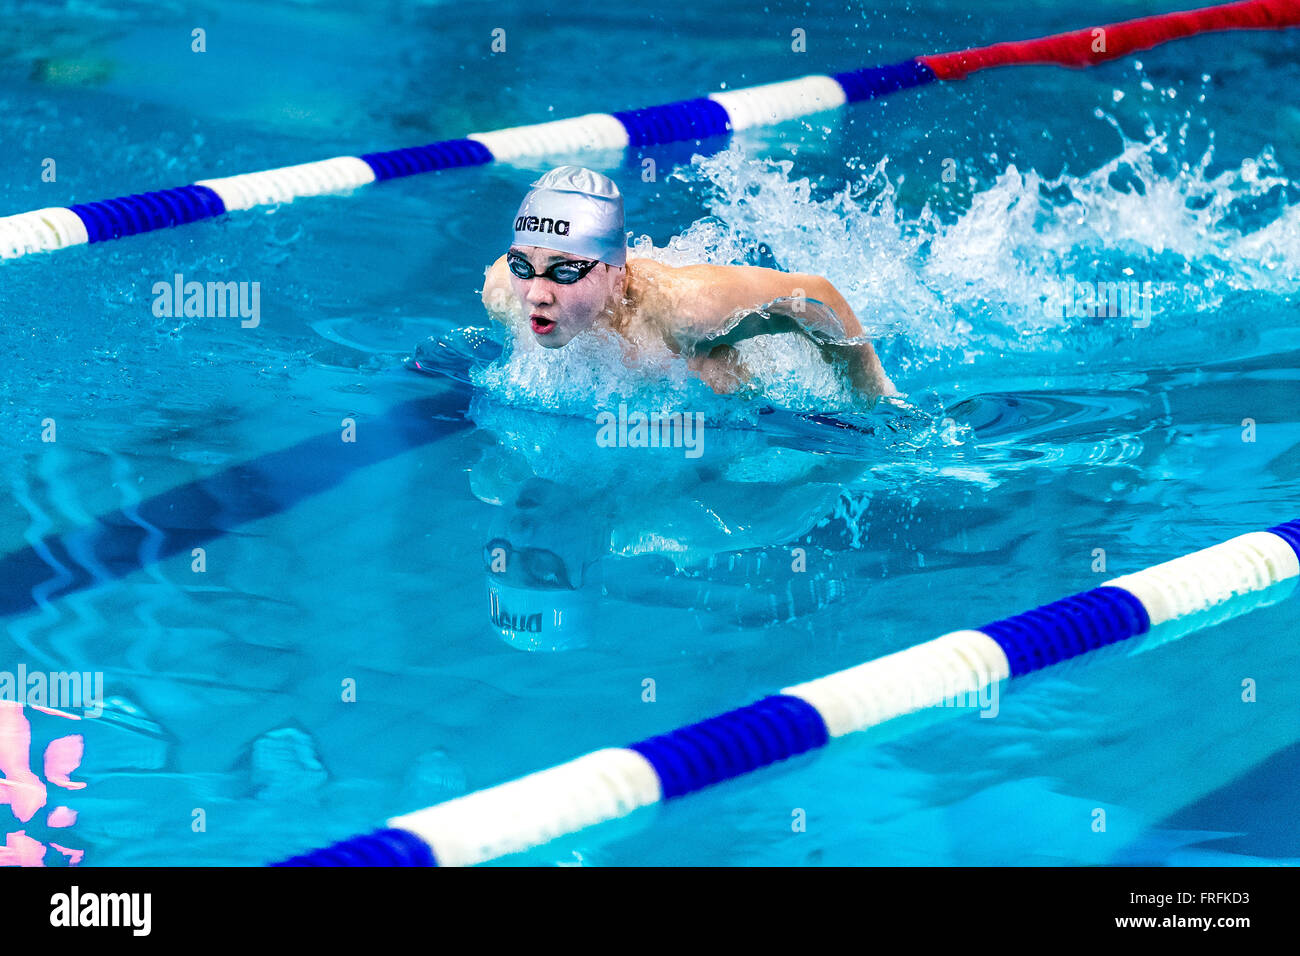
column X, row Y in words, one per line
column 556, row 311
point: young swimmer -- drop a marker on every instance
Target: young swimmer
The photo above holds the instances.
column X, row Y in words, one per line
column 567, row 272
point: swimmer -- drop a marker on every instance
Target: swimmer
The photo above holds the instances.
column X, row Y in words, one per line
column 567, row 272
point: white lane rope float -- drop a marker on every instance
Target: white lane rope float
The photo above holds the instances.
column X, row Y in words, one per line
column 718, row 114
column 611, row 783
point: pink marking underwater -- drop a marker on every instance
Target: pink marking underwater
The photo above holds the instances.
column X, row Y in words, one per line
column 61, row 817
column 20, row 788
column 26, row 793
column 54, row 713
column 63, row 756
column 74, row 856
column 22, row 850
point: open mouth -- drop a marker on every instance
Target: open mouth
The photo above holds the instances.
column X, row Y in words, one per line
column 542, row 326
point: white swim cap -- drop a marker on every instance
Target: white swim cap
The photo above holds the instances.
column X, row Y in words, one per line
column 576, row 210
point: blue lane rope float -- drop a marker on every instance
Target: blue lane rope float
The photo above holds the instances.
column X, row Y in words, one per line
column 717, row 114
column 611, row 783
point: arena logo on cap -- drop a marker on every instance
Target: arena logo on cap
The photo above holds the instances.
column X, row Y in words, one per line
column 558, row 227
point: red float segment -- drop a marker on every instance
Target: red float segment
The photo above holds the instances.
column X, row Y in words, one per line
column 1080, row 48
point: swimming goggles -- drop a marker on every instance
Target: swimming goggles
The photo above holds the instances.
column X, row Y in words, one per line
column 538, row 567
column 565, row 273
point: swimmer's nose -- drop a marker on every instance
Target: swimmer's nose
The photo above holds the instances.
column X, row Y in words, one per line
column 539, row 293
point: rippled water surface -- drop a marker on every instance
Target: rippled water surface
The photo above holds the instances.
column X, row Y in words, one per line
column 332, row 656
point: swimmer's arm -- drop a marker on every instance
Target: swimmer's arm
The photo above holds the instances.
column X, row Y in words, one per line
column 498, row 296
column 716, row 303
column 710, row 299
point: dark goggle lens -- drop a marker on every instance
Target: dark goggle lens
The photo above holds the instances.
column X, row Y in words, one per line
column 565, row 273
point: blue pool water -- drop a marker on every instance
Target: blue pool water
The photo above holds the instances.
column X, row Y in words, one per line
column 1030, row 449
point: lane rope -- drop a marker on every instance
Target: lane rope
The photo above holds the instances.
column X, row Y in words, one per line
column 717, row 114
column 611, row 783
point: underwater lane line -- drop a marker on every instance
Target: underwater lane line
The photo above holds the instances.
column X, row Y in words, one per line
column 192, row 514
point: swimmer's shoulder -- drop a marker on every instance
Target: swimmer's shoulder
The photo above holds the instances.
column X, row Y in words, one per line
column 655, row 289
column 645, row 270
column 498, row 295
column 496, row 275
column 680, row 300
column 653, row 297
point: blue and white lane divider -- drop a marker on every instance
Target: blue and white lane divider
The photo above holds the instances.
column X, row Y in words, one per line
column 717, row 114
column 611, row 783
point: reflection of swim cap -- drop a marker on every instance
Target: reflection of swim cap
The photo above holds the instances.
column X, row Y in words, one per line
column 575, row 210
column 538, row 620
